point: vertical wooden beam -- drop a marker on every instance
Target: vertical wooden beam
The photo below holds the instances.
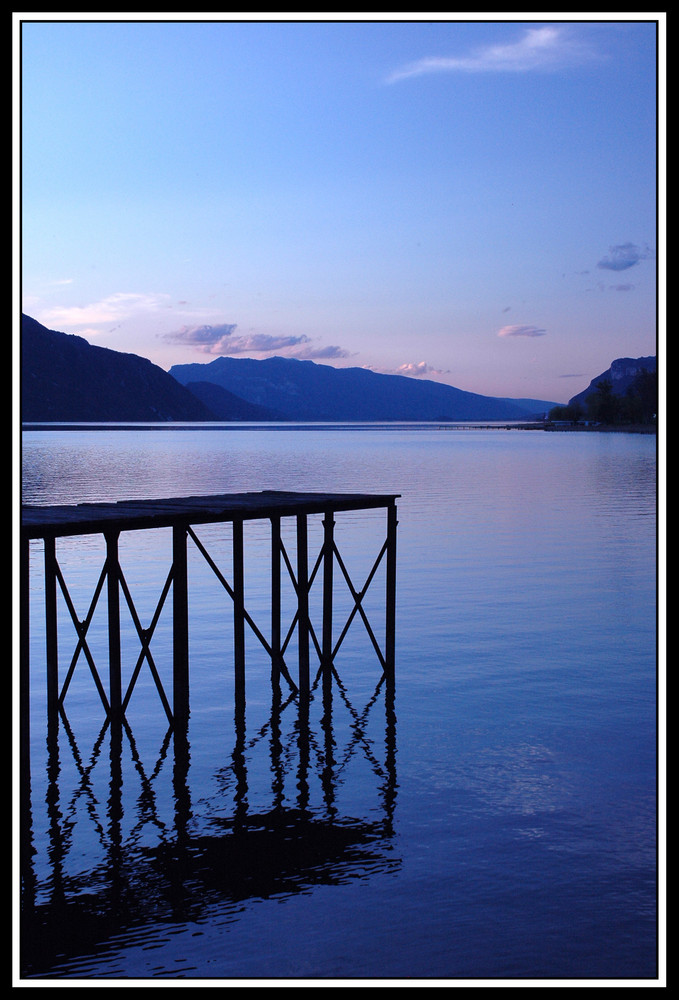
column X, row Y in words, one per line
column 27, row 850
column 390, row 639
column 276, row 601
column 238, row 611
column 328, row 559
column 303, row 603
column 24, row 660
column 113, row 593
column 51, row 641
column 180, row 626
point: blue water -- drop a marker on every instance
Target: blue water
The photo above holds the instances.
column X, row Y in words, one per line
column 494, row 820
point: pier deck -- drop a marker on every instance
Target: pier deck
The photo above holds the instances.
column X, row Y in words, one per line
column 127, row 515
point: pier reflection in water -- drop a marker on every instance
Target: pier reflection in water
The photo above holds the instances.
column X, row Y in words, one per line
column 114, row 845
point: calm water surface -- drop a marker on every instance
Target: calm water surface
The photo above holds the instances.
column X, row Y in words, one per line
column 494, row 819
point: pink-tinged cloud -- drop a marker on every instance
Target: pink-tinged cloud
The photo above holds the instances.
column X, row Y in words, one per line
column 418, row 369
column 117, row 307
column 221, row 339
column 312, row 353
column 521, row 331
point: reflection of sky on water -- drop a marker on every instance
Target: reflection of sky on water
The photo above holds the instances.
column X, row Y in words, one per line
column 524, row 821
column 520, row 779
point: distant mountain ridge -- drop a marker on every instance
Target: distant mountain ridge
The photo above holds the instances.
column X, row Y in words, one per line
column 304, row 390
column 64, row 378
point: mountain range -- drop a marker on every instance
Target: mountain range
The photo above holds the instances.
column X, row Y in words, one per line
column 64, row 378
column 304, row 390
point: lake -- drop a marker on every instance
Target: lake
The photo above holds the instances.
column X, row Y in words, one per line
column 494, row 817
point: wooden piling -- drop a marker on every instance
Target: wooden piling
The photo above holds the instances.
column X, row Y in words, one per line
column 113, row 603
column 180, row 625
column 239, row 611
column 390, row 636
column 303, row 603
column 51, row 638
column 276, row 601
column 328, row 562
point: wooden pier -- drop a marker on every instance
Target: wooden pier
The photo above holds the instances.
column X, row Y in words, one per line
column 181, row 515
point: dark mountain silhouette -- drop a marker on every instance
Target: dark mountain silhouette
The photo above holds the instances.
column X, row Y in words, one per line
column 307, row 391
column 65, row 378
column 621, row 376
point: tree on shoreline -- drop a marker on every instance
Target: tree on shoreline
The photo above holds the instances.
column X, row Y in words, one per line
column 638, row 405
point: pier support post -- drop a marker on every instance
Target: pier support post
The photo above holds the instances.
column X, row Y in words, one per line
column 24, row 657
column 276, row 601
column 303, row 603
column 328, row 559
column 180, row 626
column 238, row 612
column 51, row 642
column 113, row 594
column 390, row 638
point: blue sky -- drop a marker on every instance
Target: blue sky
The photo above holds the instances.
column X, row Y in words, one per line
column 469, row 201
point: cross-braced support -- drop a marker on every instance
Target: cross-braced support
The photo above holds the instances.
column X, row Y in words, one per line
column 112, row 579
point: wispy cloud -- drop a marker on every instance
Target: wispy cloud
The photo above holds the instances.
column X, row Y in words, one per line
column 544, row 48
column 111, row 309
column 205, row 338
column 221, row 339
column 623, row 256
column 521, row 331
column 314, row 353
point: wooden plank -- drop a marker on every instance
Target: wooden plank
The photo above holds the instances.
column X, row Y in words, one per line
column 127, row 515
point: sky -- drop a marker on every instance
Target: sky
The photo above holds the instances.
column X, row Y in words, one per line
column 469, row 201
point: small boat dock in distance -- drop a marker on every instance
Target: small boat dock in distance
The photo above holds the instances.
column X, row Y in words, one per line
column 533, row 425
column 181, row 514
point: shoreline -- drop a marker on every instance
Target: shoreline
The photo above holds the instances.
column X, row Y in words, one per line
column 535, row 425
column 608, row 429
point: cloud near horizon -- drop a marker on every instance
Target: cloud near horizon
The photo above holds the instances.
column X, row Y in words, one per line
column 417, row 369
column 547, row 47
column 113, row 308
column 220, row 340
column 521, row 331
